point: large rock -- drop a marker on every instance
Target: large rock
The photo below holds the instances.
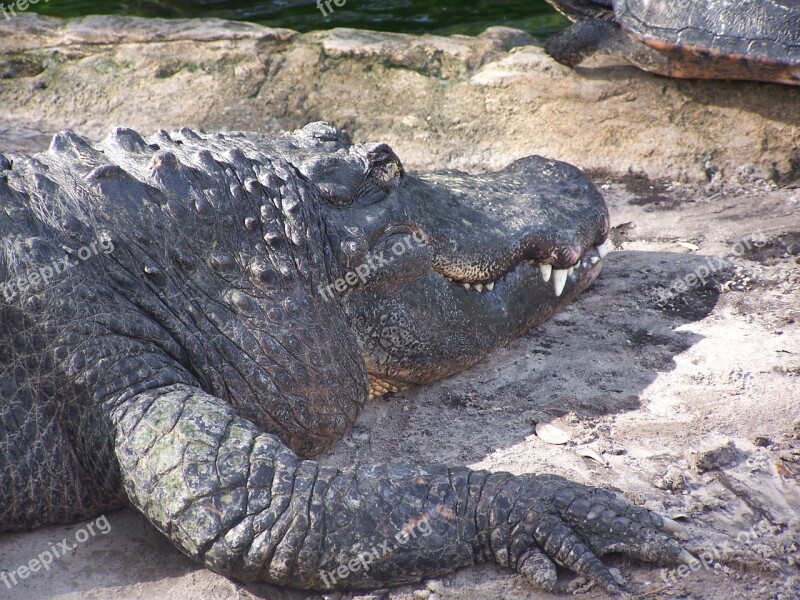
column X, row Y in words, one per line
column 460, row 102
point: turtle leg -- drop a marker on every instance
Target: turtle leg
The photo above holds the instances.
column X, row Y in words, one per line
column 586, row 38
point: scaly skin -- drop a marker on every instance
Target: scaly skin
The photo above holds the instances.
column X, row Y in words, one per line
column 758, row 40
column 186, row 353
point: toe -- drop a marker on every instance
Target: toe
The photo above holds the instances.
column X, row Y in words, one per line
column 647, row 545
column 567, row 549
column 537, row 568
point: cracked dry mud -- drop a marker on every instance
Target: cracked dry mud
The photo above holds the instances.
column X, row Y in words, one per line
column 694, row 403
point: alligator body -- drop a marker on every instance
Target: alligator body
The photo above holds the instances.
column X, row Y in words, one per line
column 186, row 320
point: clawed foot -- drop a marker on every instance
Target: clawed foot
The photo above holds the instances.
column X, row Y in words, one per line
column 538, row 522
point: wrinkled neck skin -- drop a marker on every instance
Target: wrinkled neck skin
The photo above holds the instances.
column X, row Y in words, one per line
column 219, row 246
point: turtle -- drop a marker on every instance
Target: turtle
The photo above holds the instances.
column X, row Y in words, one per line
column 757, row 40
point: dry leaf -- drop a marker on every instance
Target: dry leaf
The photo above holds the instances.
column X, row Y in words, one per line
column 552, row 434
column 589, row 452
column 680, row 517
column 689, row 246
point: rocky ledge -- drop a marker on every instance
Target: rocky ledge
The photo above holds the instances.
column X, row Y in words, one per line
column 471, row 103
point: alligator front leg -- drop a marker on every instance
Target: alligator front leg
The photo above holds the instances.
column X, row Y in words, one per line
column 241, row 502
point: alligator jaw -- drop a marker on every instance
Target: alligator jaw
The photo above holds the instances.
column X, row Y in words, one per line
column 559, row 276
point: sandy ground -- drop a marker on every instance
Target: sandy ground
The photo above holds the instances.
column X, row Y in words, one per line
column 692, row 405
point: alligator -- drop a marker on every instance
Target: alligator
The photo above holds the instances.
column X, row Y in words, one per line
column 188, row 319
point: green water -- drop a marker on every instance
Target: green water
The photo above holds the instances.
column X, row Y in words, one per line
column 410, row 16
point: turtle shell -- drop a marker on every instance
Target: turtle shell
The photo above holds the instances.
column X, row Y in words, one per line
column 752, row 32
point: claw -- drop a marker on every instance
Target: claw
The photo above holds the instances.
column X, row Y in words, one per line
column 671, row 526
column 613, row 589
column 579, row 525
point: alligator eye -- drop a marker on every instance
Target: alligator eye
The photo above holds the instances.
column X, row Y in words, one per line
column 384, row 173
column 385, row 165
column 338, row 177
column 361, row 176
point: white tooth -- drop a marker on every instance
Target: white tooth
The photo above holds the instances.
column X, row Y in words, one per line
column 490, row 286
column 466, row 286
column 571, row 270
column 479, row 287
column 546, row 270
column 559, row 280
column 594, row 260
column 603, row 248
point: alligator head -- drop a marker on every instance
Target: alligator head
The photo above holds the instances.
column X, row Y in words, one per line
column 438, row 269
